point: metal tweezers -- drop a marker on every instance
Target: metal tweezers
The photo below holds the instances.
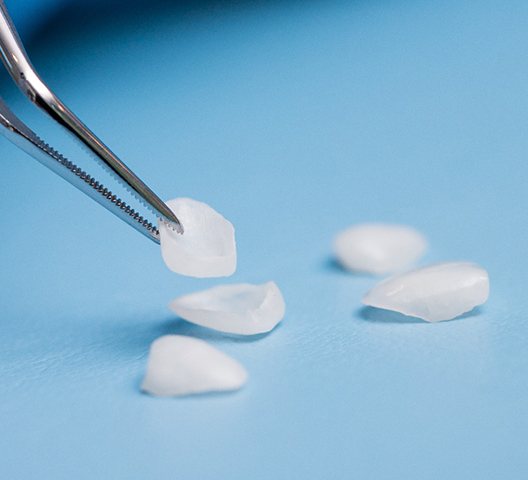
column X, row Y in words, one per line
column 27, row 79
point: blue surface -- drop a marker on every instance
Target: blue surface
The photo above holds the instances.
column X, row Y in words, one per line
column 293, row 119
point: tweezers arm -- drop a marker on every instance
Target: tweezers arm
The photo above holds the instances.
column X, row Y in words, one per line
column 22, row 136
column 19, row 66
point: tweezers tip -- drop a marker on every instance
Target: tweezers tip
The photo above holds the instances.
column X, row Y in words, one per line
column 174, row 225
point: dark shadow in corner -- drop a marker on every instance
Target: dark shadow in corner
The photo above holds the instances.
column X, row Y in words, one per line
column 75, row 16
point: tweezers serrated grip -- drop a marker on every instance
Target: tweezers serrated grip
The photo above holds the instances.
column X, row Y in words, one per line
column 22, row 136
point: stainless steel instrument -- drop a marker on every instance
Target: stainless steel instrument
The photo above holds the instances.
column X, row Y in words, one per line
column 27, row 79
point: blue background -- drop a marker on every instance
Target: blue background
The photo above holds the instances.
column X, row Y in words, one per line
column 294, row 119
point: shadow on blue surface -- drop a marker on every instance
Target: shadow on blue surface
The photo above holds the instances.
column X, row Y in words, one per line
column 379, row 315
column 182, row 327
column 330, row 264
column 144, row 334
column 194, row 397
